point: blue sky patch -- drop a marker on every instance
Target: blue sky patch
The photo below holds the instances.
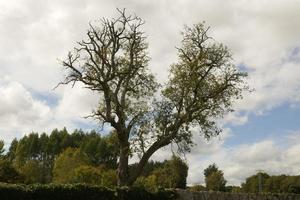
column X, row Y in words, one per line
column 271, row 125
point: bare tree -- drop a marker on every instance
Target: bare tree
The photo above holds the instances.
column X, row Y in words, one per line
column 113, row 61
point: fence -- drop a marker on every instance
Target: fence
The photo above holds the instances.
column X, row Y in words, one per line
column 187, row 195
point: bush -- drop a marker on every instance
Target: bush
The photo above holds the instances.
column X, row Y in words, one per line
column 54, row 192
column 70, row 192
column 13, row 192
column 78, row 192
column 142, row 194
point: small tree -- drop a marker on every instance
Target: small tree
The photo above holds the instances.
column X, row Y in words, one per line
column 178, row 170
column 216, row 181
column 113, row 62
column 214, row 178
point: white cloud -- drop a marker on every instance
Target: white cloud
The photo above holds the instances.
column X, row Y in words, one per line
column 21, row 113
column 261, row 36
column 19, row 110
column 234, row 118
column 242, row 161
column 76, row 102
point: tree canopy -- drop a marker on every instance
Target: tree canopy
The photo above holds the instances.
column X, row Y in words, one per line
column 214, row 178
column 113, row 61
column 168, row 174
column 210, row 170
column 1, row 148
column 66, row 164
column 34, row 155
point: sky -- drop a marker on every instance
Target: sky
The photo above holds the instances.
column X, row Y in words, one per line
column 262, row 134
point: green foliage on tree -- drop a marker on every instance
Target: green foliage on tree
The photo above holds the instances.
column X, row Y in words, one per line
column 34, row 154
column 252, row 183
column 86, row 174
column 210, row 169
column 95, row 175
column 150, row 182
column 272, row 184
column 214, row 178
column 11, row 154
column 101, row 150
column 291, row 184
column 32, row 172
column 109, row 178
column 73, row 166
column 216, row 182
column 66, row 163
column 149, row 167
column 113, row 62
column 2, row 150
column 8, row 173
column 178, row 170
column 170, row 174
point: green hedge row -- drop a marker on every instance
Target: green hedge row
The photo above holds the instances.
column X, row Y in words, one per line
column 78, row 192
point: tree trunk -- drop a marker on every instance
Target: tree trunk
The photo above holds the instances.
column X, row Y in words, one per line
column 123, row 175
column 140, row 167
column 145, row 158
column 123, row 165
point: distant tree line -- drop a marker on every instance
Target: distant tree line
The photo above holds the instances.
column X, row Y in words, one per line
column 260, row 182
column 79, row 157
column 92, row 158
column 272, row 184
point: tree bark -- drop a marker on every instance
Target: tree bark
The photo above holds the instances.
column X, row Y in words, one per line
column 123, row 164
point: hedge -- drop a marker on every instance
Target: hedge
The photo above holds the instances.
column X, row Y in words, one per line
column 78, row 192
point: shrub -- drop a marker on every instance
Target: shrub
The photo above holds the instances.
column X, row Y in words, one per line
column 13, row 192
column 70, row 192
column 141, row 194
column 78, row 192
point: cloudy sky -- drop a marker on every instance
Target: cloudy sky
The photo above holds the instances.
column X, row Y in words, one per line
column 264, row 37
